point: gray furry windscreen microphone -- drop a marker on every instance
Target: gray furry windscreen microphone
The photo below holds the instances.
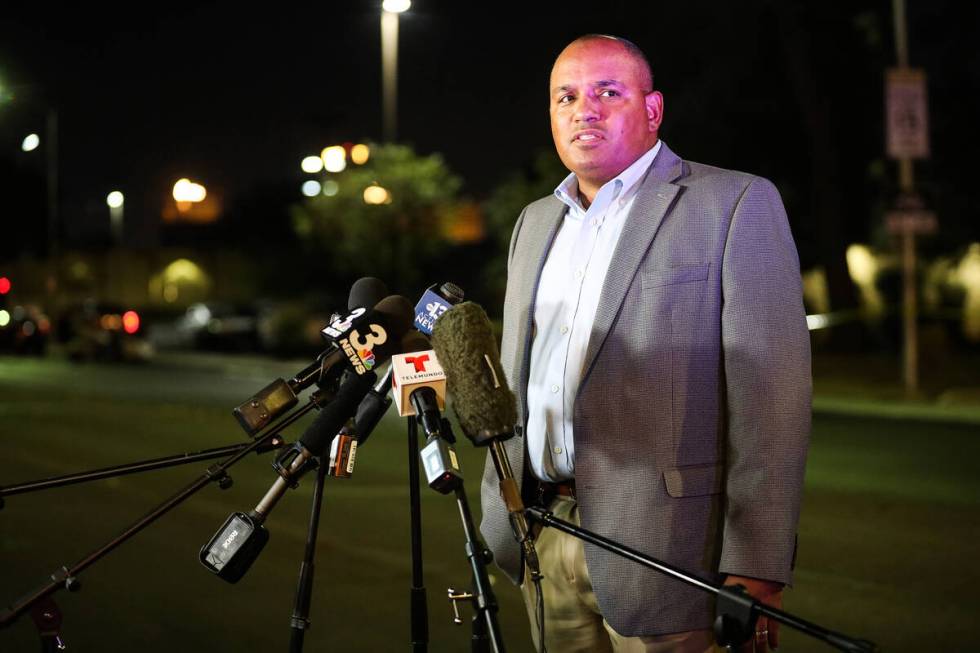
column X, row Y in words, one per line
column 463, row 341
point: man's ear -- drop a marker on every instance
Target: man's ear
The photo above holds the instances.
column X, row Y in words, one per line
column 654, row 101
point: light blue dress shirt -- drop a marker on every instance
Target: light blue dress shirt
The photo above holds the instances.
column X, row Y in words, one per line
column 567, row 299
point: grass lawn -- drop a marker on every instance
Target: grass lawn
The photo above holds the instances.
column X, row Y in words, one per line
column 887, row 539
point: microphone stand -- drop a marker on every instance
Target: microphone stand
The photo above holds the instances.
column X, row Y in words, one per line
column 364, row 424
column 66, row 577
column 736, row 610
column 133, row 468
column 300, row 621
column 418, row 604
column 485, row 628
column 444, row 476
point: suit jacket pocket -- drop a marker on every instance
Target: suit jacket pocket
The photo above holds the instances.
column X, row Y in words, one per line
column 694, row 480
column 677, row 274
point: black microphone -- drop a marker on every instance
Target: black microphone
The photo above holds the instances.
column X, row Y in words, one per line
column 280, row 395
column 438, row 456
column 434, row 302
column 465, row 345
column 343, row 449
column 378, row 399
column 237, row 544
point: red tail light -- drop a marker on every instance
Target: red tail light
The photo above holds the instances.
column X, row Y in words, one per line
column 131, row 322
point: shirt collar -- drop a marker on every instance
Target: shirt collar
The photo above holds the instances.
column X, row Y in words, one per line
column 622, row 185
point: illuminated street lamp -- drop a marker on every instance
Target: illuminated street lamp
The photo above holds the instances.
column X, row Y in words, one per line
column 31, row 141
column 186, row 193
column 115, row 201
column 389, row 64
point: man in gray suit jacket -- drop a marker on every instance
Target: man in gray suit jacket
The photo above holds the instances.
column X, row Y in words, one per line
column 654, row 335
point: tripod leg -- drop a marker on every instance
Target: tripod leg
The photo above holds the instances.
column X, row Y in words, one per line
column 418, row 606
column 300, row 621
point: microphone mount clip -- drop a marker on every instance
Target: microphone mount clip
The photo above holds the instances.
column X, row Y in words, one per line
column 283, row 464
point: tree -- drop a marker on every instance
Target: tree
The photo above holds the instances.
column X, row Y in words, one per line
column 504, row 207
column 399, row 240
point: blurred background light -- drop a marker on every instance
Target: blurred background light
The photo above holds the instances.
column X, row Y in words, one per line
column 863, row 267
column 396, row 6
column 312, row 164
column 4, row 318
column 31, row 141
column 330, row 188
column 111, row 321
column 814, row 322
column 359, row 154
column 4, row 285
column 375, row 194
column 968, row 271
column 187, row 191
column 114, row 199
column 861, row 264
column 130, row 322
column 334, row 158
column 311, row 188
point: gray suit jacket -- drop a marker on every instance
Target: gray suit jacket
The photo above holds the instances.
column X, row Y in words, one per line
column 692, row 419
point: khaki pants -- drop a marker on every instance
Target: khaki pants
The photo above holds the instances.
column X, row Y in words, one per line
column 572, row 620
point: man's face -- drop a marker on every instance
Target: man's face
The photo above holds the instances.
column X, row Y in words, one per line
column 602, row 116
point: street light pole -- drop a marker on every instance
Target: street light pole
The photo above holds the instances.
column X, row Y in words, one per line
column 51, row 167
column 389, row 65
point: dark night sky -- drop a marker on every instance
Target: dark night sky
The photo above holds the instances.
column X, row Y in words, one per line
column 235, row 97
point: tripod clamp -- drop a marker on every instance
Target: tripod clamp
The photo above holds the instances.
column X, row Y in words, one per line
column 219, row 475
column 455, row 597
column 283, row 464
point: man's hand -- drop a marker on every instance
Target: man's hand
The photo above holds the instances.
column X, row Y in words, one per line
column 766, row 632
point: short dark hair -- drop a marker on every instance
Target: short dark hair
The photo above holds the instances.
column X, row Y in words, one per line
column 632, row 48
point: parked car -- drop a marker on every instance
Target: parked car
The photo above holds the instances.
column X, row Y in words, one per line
column 219, row 326
column 24, row 329
column 96, row 330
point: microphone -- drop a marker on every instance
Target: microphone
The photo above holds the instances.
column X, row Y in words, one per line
column 343, row 449
column 438, row 456
column 463, row 340
column 237, row 544
column 280, row 396
column 372, row 408
column 419, row 387
column 487, row 411
column 434, row 303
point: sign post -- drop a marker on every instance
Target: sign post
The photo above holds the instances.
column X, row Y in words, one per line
column 907, row 124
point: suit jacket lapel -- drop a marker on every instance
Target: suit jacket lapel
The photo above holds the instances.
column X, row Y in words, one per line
column 653, row 200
